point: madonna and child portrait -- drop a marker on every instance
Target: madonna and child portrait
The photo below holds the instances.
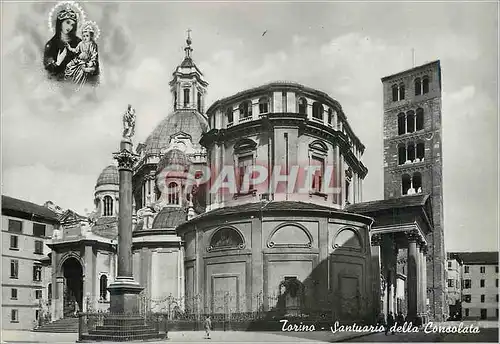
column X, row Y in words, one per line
column 67, row 57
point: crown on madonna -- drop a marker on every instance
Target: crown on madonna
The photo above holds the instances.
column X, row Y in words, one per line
column 67, row 13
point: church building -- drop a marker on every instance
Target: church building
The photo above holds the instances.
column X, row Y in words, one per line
column 262, row 246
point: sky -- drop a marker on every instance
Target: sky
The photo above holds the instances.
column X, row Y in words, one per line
column 54, row 145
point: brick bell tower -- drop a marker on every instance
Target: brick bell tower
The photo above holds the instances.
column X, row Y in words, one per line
column 413, row 161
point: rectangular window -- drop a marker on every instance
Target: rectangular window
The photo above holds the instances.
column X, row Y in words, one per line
column 37, row 314
column 466, row 269
column 15, row 226
column 319, row 171
column 449, row 265
column 14, row 316
column 13, row 294
column 39, row 230
column 14, row 268
column 230, row 116
column 467, row 298
column 484, row 313
column 284, row 102
column 186, row 97
column 482, row 269
column 497, row 297
column 496, row 283
column 496, row 269
column 14, row 242
column 37, row 273
column 38, row 247
column 467, row 312
column 38, row 294
column 467, row 284
column 482, row 298
column 450, row 283
column 244, row 164
column 481, row 283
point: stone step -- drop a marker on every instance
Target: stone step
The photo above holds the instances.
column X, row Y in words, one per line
column 137, row 332
column 121, row 328
column 123, row 338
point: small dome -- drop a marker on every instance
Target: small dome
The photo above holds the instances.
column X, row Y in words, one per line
column 189, row 122
column 108, row 176
column 169, row 217
column 175, row 159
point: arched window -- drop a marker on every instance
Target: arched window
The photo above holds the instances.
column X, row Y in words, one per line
column 394, row 93
column 226, row 238
column 420, row 119
column 411, row 152
column 417, row 182
column 405, row 184
column 401, row 92
column 263, row 105
column 175, row 99
column 330, row 116
column 186, row 97
column 173, row 193
column 420, row 151
column 108, row 206
column 418, row 87
column 49, row 291
column 425, row 85
column 229, row 116
column 318, row 111
column 103, row 287
column 303, row 106
column 347, row 238
column 401, row 123
column 410, row 121
column 245, row 110
column 401, row 154
column 199, row 101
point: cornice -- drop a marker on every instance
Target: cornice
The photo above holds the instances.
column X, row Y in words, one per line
column 424, row 135
column 414, row 167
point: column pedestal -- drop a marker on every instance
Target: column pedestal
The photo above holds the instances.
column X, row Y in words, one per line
column 124, row 296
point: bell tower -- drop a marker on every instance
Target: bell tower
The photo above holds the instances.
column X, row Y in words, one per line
column 188, row 86
column 413, row 160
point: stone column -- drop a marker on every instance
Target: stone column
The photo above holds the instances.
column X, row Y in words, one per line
column 412, row 275
column 88, row 280
column 376, row 241
column 124, row 290
column 419, row 278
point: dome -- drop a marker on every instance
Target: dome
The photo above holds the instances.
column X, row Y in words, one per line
column 108, row 176
column 189, row 122
column 174, row 157
column 169, row 217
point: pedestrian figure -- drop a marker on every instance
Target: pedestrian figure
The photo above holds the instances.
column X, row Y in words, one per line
column 390, row 323
column 208, row 326
column 400, row 320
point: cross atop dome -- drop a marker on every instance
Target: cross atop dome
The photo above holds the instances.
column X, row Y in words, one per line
column 188, row 87
column 188, row 49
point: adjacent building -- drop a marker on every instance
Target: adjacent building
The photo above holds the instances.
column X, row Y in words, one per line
column 26, row 277
column 479, row 285
column 454, row 285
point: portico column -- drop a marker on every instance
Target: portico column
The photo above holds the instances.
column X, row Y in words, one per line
column 59, row 298
column 424, row 284
column 376, row 241
column 419, row 278
column 412, row 275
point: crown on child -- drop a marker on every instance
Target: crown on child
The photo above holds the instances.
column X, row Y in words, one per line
column 91, row 26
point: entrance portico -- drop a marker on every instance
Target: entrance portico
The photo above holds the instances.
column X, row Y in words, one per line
column 399, row 251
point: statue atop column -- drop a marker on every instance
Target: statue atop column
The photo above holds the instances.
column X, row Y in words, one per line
column 129, row 123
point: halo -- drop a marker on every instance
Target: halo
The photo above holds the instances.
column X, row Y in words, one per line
column 59, row 7
column 94, row 26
